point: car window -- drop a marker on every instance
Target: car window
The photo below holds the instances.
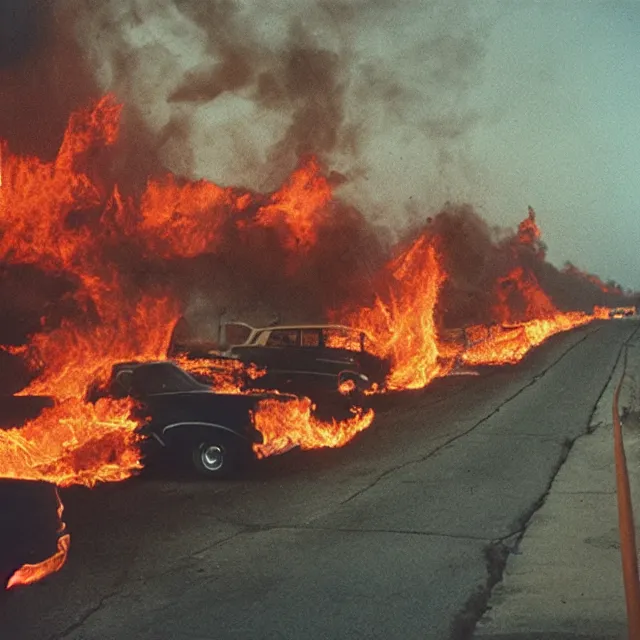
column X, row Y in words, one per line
column 122, row 383
column 283, row 338
column 236, row 333
column 342, row 339
column 161, row 378
column 310, row 338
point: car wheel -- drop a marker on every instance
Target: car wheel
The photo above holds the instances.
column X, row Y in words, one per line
column 357, row 398
column 214, row 459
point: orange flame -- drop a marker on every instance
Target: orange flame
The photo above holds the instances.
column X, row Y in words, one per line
column 185, row 219
column 300, row 205
column 526, row 317
column 72, row 357
column 73, row 442
column 38, row 199
column 346, row 387
column 227, row 376
column 285, row 425
column 48, row 218
column 529, row 233
column 38, row 196
column 402, row 324
column 520, row 298
column 500, row 344
column 30, row 573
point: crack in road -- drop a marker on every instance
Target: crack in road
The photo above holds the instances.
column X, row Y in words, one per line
column 84, row 617
column 219, row 543
column 177, row 565
column 416, row 532
column 496, row 556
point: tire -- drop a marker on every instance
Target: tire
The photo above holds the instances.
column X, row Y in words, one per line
column 357, row 399
column 215, row 458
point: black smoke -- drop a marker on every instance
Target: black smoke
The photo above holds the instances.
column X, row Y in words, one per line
column 42, row 74
column 475, row 256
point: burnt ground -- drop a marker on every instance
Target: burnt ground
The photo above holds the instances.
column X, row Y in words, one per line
column 401, row 533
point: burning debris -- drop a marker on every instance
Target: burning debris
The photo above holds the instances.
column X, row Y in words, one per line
column 127, row 264
column 292, row 424
column 30, row 573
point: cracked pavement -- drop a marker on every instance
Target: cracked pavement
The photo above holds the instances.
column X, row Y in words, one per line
column 397, row 535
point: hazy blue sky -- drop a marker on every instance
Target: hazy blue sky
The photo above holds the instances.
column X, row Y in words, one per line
column 502, row 104
column 562, row 80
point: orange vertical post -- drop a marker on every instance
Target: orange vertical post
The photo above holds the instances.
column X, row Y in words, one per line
column 626, row 524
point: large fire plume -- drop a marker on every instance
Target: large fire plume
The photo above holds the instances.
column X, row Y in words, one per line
column 63, row 219
column 401, row 318
column 125, row 264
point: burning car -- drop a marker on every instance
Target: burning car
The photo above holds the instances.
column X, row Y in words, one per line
column 323, row 362
column 185, row 419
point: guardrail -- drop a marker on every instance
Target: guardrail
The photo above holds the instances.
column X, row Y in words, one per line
column 625, row 520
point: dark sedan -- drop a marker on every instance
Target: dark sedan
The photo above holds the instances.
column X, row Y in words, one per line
column 185, row 419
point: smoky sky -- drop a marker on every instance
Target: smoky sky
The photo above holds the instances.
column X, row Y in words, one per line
column 19, row 24
column 43, row 75
column 497, row 104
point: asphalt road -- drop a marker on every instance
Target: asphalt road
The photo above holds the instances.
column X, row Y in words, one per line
column 400, row 534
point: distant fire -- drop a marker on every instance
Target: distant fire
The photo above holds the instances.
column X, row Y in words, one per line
column 112, row 250
column 525, row 317
column 402, row 318
column 529, row 234
column 574, row 271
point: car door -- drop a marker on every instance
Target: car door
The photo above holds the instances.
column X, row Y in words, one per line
column 312, row 373
column 274, row 350
column 339, row 349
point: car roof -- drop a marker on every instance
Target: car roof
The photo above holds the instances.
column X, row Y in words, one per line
column 136, row 364
column 307, row 326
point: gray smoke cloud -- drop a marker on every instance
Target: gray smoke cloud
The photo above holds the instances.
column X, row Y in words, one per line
column 391, row 99
column 495, row 103
column 237, row 92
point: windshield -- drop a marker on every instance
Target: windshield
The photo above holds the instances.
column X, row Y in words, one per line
column 163, row 377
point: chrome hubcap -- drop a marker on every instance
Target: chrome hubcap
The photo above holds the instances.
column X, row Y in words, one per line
column 212, row 457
